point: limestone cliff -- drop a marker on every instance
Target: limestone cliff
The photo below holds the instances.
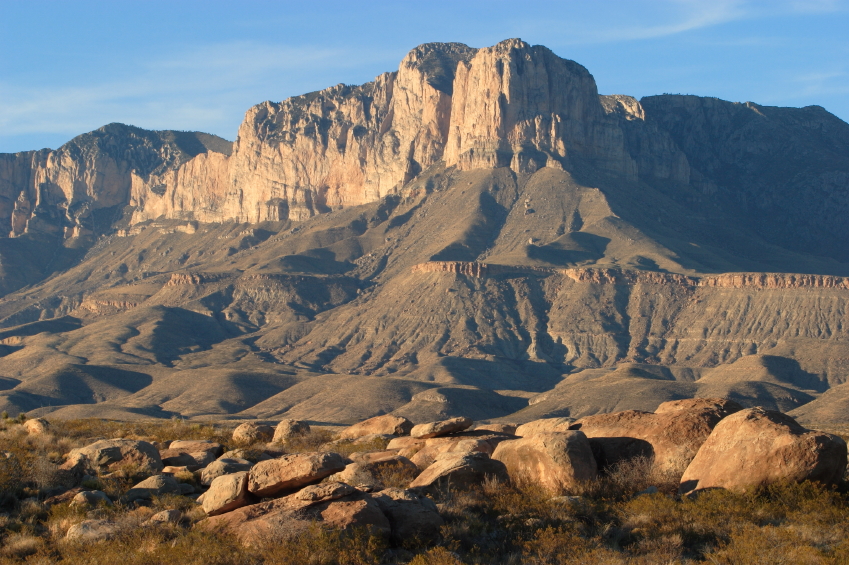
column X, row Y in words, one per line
column 81, row 188
column 448, row 105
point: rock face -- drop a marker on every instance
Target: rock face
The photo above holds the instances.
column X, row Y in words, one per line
column 671, row 436
column 556, row 461
column 435, row 429
column 289, row 472
column 756, row 447
column 387, row 424
column 461, row 469
column 62, row 191
column 110, row 454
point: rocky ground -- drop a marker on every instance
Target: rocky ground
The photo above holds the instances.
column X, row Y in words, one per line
column 695, row 480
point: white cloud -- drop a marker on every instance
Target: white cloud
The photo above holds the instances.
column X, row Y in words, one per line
column 204, row 87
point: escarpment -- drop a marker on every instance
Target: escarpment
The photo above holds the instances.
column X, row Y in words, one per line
column 477, row 233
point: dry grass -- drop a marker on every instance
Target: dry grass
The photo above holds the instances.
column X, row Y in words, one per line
column 603, row 522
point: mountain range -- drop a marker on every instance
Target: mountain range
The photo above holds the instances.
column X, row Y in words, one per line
column 478, row 233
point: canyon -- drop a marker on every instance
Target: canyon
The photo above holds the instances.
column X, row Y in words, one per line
column 479, row 233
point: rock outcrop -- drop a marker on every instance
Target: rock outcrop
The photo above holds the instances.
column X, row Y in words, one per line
column 671, row 436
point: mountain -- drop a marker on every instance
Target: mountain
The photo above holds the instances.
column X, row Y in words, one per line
column 478, row 233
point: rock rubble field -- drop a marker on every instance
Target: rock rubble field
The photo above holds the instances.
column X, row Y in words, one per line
column 381, row 473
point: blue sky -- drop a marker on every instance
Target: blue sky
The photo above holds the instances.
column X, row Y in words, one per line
column 71, row 66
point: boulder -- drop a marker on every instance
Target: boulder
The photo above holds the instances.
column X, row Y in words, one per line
column 435, row 429
column 178, row 458
column 354, row 511
column 406, row 443
column 256, row 453
column 110, row 454
column 221, row 467
column 166, row 517
column 175, row 469
column 721, row 406
column 434, row 447
column 462, row 470
column 92, row 531
column 368, row 442
column 369, row 456
column 544, row 425
column 335, row 505
column 372, row 473
column 90, row 498
column 290, row 428
column 756, row 447
column 386, row 424
column 195, row 446
column 290, row 472
column 36, row 426
column 671, row 437
column 506, row 429
column 556, row 461
column 61, row 498
column 152, row 486
column 226, row 493
column 251, row 432
column 411, row 516
column 481, row 441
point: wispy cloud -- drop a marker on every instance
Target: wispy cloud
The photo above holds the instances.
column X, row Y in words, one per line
column 821, row 83
column 208, row 85
column 687, row 15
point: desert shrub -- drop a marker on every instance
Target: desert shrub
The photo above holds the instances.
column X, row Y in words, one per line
column 21, row 545
column 147, row 430
column 312, row 441
column 319, row 546
column 767, row 545
column 395, row 476
column 353, row 446
column 11, row 477
column 437, row 556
